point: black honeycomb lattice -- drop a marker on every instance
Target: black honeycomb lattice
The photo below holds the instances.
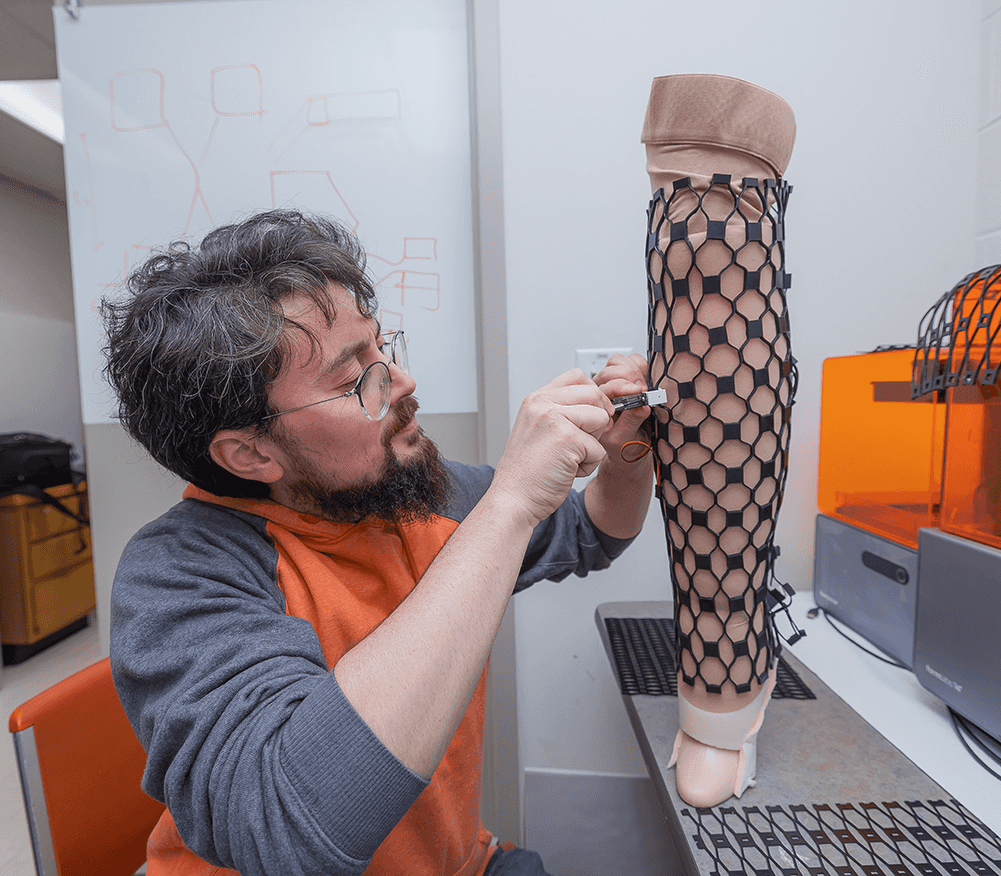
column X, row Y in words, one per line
column 719, row 345
column 913, row 838
column 643, row 654
column 956, row 337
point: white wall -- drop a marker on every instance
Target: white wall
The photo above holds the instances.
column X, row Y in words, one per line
column 988, row 245
column 39, row 388
column 893, row 135
column 880, row 224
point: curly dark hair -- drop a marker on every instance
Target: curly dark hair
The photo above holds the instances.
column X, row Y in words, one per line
column 194, row 346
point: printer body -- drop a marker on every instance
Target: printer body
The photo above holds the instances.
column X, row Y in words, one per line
column 908, row 535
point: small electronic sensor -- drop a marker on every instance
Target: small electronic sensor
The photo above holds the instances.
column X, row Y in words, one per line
column 651, row 397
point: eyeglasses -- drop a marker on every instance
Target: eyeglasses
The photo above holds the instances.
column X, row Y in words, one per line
column 375, row 386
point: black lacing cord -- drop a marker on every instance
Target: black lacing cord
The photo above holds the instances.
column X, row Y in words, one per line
column 813, row 612
column 986, row 743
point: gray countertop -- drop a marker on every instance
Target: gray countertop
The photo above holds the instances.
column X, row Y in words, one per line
column 832, row 795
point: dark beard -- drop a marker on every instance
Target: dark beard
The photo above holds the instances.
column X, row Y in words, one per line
column 404, row 493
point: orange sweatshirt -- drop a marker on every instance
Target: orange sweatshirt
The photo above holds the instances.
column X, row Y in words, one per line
column 227, row 617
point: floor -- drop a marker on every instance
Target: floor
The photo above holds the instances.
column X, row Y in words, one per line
column 17, row 684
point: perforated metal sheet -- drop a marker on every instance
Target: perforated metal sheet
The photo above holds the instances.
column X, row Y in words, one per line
column 919, row 837
column 644, row 663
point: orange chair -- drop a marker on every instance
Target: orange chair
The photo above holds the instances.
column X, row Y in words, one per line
column 80, row 766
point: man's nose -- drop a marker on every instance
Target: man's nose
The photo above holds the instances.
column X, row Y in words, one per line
column 403, row 382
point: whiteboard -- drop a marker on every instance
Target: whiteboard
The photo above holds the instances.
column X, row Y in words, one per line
column 184, row 116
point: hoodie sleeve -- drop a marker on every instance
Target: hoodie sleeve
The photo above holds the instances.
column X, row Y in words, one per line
column 565, row 542
column 234, row 703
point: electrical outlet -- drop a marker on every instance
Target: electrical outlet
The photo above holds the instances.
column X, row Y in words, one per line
column 593, row 360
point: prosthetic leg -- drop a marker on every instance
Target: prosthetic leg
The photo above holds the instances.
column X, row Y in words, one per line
column 719, row 345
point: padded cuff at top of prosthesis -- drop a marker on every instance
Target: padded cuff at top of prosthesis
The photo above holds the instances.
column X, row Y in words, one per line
column 729, row 730
column 711, row 110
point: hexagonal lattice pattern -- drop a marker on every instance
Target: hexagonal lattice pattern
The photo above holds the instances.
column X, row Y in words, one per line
column 958, row 342
column 719, row 346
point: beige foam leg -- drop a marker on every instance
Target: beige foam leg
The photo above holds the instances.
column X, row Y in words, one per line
column 716, row 754
column 697, row 126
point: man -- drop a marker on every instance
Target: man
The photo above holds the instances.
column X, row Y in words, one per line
column 301, row 643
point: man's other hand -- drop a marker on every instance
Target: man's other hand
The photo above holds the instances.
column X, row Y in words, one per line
column 556, row 438
column 623, row 375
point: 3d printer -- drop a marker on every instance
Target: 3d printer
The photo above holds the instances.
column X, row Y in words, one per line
column 908, row 538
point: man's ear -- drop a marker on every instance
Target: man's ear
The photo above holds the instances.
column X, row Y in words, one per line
column 247, row 455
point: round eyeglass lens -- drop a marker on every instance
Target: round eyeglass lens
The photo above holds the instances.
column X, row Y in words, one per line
column 375, row 391
column 399, row 352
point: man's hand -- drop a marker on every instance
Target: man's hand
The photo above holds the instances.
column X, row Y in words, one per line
column 412, row 677
column 556, row 437
column 618, row 498
column 623, row 376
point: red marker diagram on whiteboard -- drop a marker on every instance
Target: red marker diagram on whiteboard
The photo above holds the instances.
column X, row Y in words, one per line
column 237, row 92
column 137, row 107
column 323, row 110
column 91, row 199
column 411, row 286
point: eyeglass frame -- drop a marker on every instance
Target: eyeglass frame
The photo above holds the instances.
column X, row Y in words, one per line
column 391, row 343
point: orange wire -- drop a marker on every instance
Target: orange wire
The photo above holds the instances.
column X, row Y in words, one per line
column 643, row 444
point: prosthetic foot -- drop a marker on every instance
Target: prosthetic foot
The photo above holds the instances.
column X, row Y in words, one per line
column 719, row 346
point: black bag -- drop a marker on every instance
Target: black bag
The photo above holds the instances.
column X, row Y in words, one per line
column 30, row 462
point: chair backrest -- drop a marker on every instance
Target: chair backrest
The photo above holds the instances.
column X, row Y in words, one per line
column 80, row 766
